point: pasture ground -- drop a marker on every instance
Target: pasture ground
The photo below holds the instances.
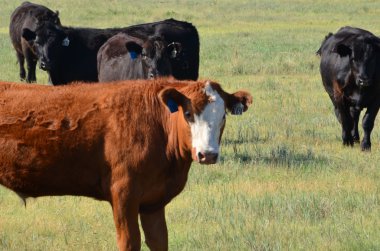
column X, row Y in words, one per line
column 285, row 182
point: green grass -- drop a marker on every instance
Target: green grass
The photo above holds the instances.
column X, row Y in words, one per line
column 285, row 182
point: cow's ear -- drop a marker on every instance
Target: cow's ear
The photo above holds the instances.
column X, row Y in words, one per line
column 342, row 49
column 56, row 17
column 28, row 35
column 173, row 98
column 238, row 102
column 134, row 49
column 174, row 49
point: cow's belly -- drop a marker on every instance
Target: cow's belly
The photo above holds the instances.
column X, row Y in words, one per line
column 35, row 172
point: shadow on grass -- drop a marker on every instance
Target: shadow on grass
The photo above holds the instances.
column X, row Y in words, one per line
column 281, row 156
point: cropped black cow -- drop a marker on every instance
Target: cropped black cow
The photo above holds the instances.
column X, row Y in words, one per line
column 182, row 39
column 127, row 57
column 70, row 54
column 27, row 16
column 350, row 70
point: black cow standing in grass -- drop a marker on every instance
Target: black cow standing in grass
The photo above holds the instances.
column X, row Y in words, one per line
column 127, row 57
column 350, row 70
column 70, row 54
column 27, row 16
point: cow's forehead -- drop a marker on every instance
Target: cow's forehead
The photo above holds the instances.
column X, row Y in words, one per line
column 206, row 95
column 48, row 28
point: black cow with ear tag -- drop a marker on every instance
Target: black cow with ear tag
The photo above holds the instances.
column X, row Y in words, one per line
column 68, row 54
column 350, row 71
column 128, row 57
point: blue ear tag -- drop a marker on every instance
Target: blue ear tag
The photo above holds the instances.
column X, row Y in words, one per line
column 237, row 109
column 133, row 55
column 173, row 107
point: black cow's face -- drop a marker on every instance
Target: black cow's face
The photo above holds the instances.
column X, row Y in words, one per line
column 362, row 54
column 155, row 56
column 50, row 42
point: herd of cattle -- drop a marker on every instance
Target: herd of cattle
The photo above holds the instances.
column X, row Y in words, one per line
column 67, row 54
column 131, row 141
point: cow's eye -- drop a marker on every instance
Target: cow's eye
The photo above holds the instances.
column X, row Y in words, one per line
column 188, row 115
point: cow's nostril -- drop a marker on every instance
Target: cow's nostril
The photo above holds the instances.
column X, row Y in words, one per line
column 363, row 82
column 201, row 156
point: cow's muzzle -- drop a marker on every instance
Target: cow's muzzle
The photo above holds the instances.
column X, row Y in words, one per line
column 44, row 65
column 361, row 82
column 207, row 157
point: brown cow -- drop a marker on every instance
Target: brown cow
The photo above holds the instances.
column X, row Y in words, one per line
column 116, row 142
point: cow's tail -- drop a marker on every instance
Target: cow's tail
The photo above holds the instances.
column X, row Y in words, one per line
column 319, row 51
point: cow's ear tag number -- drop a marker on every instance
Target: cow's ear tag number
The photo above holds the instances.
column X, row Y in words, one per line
column 173, row 107
column 237, row 109
column 66, row 42
column 133, row 55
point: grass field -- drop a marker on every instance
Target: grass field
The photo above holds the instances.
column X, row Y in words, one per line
column 285, row 182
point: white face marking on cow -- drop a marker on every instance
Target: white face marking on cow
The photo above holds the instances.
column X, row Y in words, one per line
column 207, row 125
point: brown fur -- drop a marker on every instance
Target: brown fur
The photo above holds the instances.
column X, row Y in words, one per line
column 116, row 142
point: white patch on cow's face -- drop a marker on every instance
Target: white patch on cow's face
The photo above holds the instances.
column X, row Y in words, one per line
column 207, row 125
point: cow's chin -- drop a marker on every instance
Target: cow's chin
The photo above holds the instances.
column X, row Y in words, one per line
column 207, row 161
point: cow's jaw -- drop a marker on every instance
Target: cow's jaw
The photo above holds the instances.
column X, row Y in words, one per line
column 207, row 127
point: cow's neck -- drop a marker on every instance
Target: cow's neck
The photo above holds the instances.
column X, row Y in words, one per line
column 179, row 146
column 179, row 156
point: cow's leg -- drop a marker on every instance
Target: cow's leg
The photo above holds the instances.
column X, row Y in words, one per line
column 31, row 63
column 21, row 60
column 347, row 124
column 155, row 231
column 355, row 114
column 368, row 123
column 337, row 114
column 125, row 212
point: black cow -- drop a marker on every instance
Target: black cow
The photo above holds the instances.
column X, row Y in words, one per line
column 28, row 15
column 69, row 54
column 185, row 64
column 350, row 70
column 127, row 57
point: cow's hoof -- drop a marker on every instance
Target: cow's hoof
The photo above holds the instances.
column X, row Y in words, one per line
column 31, row 80
column 365, row 147
column 349, row 142
column 356, row 139
column 22, row 76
